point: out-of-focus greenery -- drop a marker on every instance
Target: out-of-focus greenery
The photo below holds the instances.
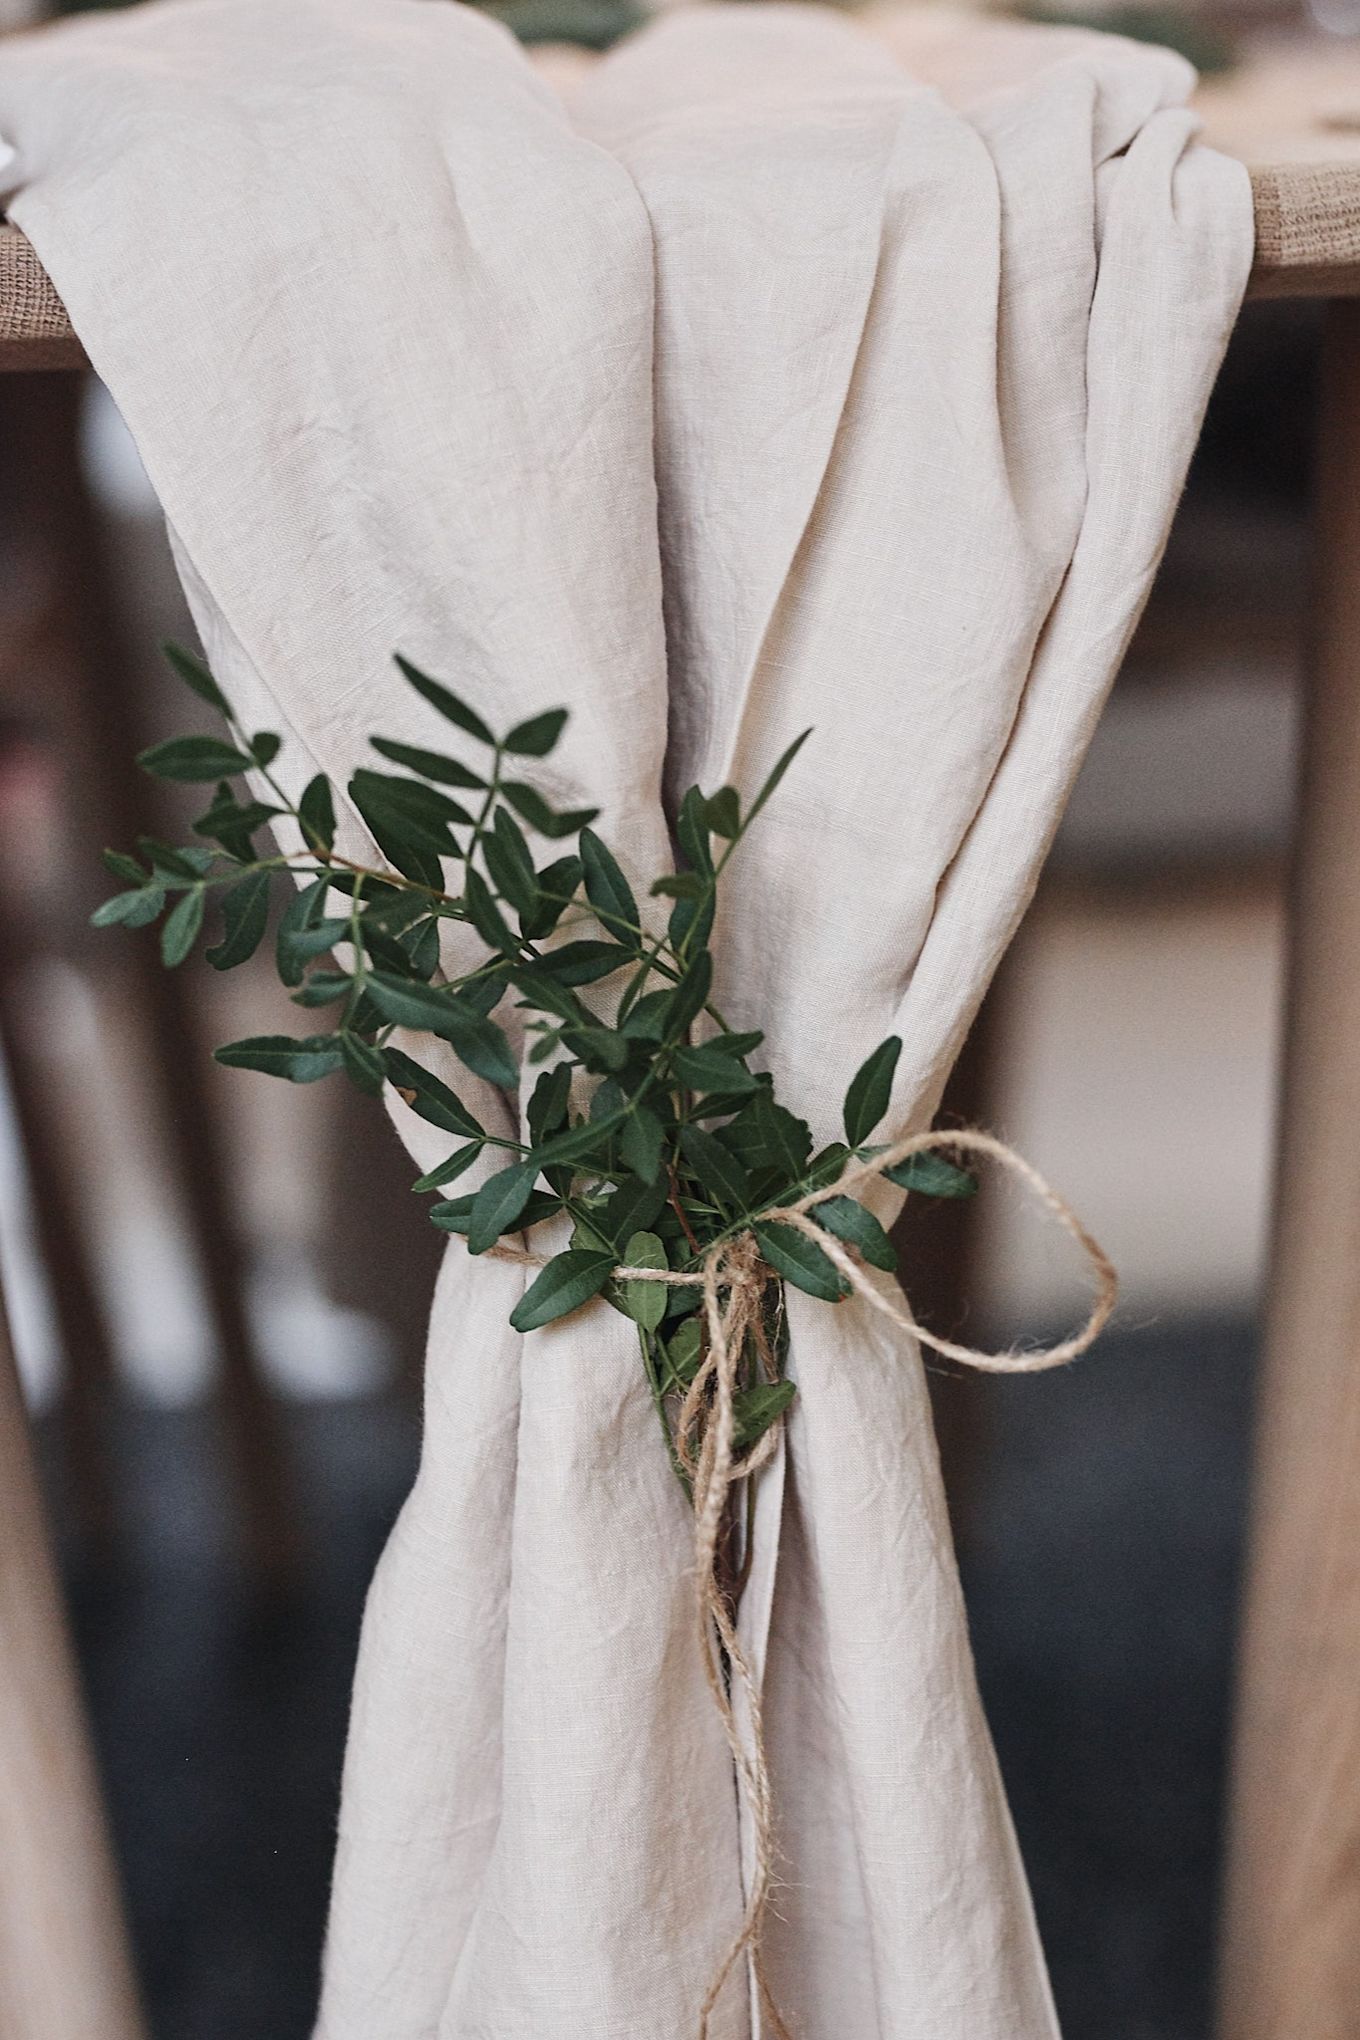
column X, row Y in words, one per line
column 1206, row 47
column 592, row 24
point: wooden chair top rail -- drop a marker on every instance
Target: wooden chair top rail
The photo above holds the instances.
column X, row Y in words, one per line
column 1291, row 112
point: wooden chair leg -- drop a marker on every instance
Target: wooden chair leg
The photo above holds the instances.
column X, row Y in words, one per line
column 1291, row 1945
column 41, row 418
column 65, row 1973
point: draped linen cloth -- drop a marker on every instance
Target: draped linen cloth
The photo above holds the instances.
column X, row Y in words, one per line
column 792, row 372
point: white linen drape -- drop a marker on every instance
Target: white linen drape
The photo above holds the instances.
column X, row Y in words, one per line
column 786, row 377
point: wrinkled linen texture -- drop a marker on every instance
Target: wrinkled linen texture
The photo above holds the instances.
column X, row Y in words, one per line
column 788, row 371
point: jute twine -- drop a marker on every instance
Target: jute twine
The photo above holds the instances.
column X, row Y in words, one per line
column 735, row 1281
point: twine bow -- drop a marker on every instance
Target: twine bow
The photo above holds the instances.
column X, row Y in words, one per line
column 734, row 1281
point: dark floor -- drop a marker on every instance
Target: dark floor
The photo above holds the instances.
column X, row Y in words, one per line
column 1104, row 1548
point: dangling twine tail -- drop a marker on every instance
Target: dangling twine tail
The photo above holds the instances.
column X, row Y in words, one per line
column 734, row 1281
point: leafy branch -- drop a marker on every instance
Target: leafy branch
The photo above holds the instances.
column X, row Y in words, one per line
column 647, row 1127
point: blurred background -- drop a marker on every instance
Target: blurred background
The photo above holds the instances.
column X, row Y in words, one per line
column 222, row 1353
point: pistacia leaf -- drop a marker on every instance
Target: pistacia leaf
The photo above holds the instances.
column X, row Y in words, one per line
column 191, row 670
column 245, row 916
column 451, row 1168
column 536, row 737
column 135, row 909
column 426, row 1095
column 182, row 925
column 930, row 1175
column 511, row 866
column 607, row 889
column 717, row 1168
column 850, row 1221
column 363, row 1064
column 705, row 1069
column 755, row 1409
column 280, row 1055
column 446, row 701
column 800, row 1261
column 641, row 1142
column 866, row 1101
column 191, row 759
column 530, row 805
column 645, row 1302
column 429, row 764
column 498, row 1204
column 568, row 1281
column 316, row 812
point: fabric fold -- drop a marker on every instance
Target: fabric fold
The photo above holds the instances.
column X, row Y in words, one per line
column 788, row 372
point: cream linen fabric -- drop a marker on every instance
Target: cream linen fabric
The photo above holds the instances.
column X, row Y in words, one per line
column 788, row 376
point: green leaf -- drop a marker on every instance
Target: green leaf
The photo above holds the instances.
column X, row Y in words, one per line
column 787, row 1140
column 130, row 909
column 568, row 1281
column 776, row 775
column 930, row 1175
column 363, row 1063
column 430, row 1009
column 124, row 867
column 316, row 812
column 691, row 832
column 300, row 935
column 549, row 1103
column 189, row 863
column 511, row 866
column 683, row 1350
column 446, row 701
column 429, row 1097
column 182, row 924
column 191, row 759
column 557, row 883
column 640, row 1143
column 280, row 1055
column 722, row 813
column 451, row 1168
column 736, row 1044
column 425, row 807
column 245, row 916
column 323, row 988
column 412, row 841
column 607, row 889
column 866, row 1101
column 634, row 1207
column 232, row 823
column 429, row 764
column 717, row 1168
column 584, row 963
column 680, row 885
column 499, row 1203
column 486, row 916
column 755, row 1409
column 265, row 746
column 599, row 1048
column 645, row 1302
column 196, row 677
column 705, row 1069
column 800, row 1261
column 852, row 1222
column 528, row 802
column 536, row 737
column 690, row 996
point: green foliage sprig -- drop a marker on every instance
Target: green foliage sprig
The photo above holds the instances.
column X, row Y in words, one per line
column 647, row 1125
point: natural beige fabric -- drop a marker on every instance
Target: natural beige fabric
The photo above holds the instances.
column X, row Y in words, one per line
column 787, row 378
